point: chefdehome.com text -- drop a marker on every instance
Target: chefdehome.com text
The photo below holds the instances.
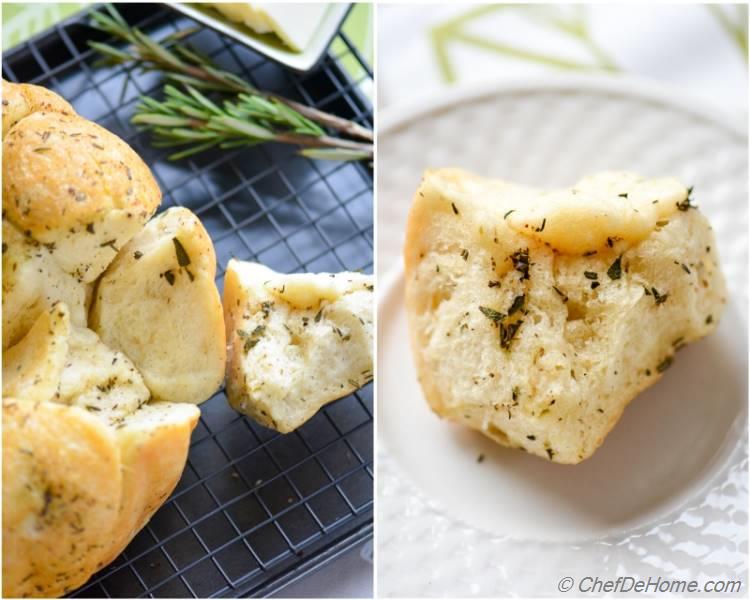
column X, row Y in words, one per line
column 626, row 584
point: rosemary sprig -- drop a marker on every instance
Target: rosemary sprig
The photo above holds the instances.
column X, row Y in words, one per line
column 191, row 119
column 251, row 116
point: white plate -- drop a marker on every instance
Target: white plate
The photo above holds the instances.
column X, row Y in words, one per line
column 268, row 44
column 666, row 494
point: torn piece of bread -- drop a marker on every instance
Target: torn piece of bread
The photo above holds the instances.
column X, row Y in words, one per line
column 32, row 283
column 62, row 485
column 75, row 187
column 158, row 303
column 296, row 342
column 536, row 317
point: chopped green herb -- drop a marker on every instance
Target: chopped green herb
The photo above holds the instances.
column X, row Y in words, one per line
column 182, row 256
column 318, row 315
column 491, row 313
column 664, row 365
column 590, row 275
column 507, row 333
column 659, row 298
column 615, row 269
column 506, row 215
column 709, row 319
column 685, row 268
column 455, row 210
column 517, row 303
column 531, row 437
column 595, row 284
column 541, row 228
column 480, row 458
column 493, row 284
column 685, row 204
column 137, row 254
column 623, row 195
column 111, row 244
column 464, row 254
column 559, row 293
column 169, row 276
column 520, row 260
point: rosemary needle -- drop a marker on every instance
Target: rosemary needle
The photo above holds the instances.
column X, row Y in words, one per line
column 246, row 116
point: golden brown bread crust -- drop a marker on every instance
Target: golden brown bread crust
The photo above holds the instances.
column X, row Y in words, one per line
column 22, row 99
column 153, row 447
column 56, row 519
column 76, row 187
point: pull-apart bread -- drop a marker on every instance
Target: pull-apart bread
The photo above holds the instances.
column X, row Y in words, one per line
column 158, row 303
column 76, row 490
column 89, row 453
column 295, row 342
column 536, row 317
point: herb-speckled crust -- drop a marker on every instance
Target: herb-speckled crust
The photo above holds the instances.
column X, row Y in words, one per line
column 22, row 99
column 153, row 443
column 75, row 187
column 295, row 342
column 158, row 303
column 67, row 367
column 57, row 519
column 541, row 349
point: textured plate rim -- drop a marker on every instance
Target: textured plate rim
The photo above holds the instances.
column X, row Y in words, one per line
column 400, row 114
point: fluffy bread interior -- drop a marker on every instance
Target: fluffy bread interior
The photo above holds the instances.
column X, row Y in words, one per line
column 530, row 338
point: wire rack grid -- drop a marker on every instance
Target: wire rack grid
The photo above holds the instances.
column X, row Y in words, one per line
column 254, row 510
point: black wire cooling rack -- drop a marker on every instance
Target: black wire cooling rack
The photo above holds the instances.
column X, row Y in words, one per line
column 254, row 510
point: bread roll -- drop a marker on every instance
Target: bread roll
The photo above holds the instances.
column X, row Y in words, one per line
column 158, row 303
column 32, row 283
column 62, row 486
column 75, row 187
column 536, row 317
column 296, row 342
column 153, row 443
column 22, row 99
